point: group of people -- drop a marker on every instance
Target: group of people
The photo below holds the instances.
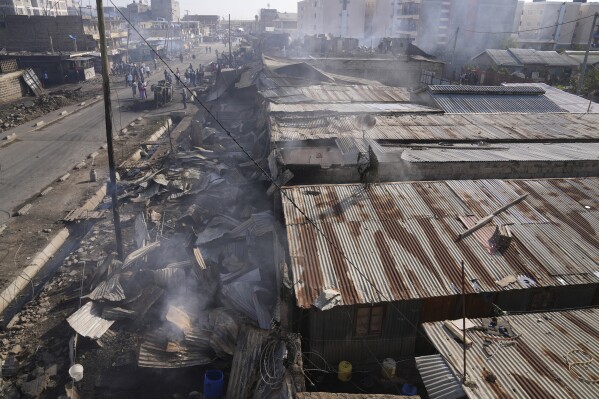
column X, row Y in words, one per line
column 142, row 87
column 208, row 50
column 192, row 76
column 124, row 68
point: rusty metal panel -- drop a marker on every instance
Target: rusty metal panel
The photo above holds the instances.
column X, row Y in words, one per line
column 398, row 241
column 540, row 363
column 429, row 127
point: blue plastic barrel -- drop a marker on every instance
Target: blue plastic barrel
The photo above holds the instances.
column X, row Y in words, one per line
column 409, row 390
column 214, row 384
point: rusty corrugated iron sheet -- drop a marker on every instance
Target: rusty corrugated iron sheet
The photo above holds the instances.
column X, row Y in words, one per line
column 441, row 127
column 401, row 237
column 351, row 108
column 336, row 94
column 540, row 363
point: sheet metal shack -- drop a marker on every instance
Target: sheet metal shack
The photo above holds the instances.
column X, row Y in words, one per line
column 405, row 269
column 549, row 355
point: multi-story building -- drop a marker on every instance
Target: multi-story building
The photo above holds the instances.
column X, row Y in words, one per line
column 168, row 10
column 33, row 7
column 271, row 20
column 440, row 19
column 340, row 18
column 553, row 25
column 395, row 18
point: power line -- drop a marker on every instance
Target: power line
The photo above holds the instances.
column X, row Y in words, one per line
column 283, row 193
column 528, row 30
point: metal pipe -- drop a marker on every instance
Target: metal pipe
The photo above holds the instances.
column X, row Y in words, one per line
column 487, row 219
column 108, row 120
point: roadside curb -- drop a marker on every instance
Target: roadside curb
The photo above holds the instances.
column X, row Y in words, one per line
column 38, row 262
column 26, row 276
column 62, row 116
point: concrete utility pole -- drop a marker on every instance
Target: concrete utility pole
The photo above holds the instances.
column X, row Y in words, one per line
column 230, row 55
column 583, row 68
column 108, row 119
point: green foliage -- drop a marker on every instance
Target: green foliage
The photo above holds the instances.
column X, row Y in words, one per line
column 509, row 42
column 591, row 80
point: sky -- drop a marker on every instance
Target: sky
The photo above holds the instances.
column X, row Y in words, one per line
column 239, row 9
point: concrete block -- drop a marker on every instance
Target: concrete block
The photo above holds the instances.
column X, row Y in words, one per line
column 80, row 165
column 82, row 104
column 93, row 155
column 104, row 146
column 46, row 191
column 98, row 97
column 132, row 124
column 2, row 228
column 10, row 137
column 63, row 113
column 139, row 118
column 24, row 210
column 65, row 177
column 124, row 130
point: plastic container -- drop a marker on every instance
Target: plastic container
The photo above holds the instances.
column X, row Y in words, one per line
column 214, row 384
column 76, row 372
column 409, row 390
column 344, row 373
column 388, row 368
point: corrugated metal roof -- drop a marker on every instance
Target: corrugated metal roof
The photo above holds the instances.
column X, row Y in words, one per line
column 468, row 89
column 498, row 152
column 438, row 379
column 578, row 56
column 336, row 94
column 351, row 108
column 502, row 57
column 446, row 127
column 568, row 101
column 402, row 237
column 487, row 103
column 546, row 58
column 540, row 363
column 87, row 321
column 330, row 395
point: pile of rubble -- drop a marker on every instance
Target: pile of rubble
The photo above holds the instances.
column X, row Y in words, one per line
column 15, row 114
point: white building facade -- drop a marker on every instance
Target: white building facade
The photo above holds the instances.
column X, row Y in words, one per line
column 339, row 18
column 33, row 7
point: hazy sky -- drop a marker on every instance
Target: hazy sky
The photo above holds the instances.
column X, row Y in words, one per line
column 238, row 9
column 245, row 9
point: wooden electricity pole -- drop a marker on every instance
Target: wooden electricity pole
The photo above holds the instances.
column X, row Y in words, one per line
column 230, row 54
column 583, row 68
column 108, row 119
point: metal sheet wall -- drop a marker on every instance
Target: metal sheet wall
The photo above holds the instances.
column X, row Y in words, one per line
column 331, row 334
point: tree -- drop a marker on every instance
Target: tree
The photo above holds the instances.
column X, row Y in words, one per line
column 591, row 80
column 509, row 42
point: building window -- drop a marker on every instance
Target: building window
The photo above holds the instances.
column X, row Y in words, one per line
column 369, row 321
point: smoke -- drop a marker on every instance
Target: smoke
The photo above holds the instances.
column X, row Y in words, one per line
column 439, row 23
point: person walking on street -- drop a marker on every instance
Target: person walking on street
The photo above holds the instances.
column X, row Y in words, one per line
column 134, row 88
column 148, row 71
column 165, row 75
column 184, row 95
column 129, row 79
